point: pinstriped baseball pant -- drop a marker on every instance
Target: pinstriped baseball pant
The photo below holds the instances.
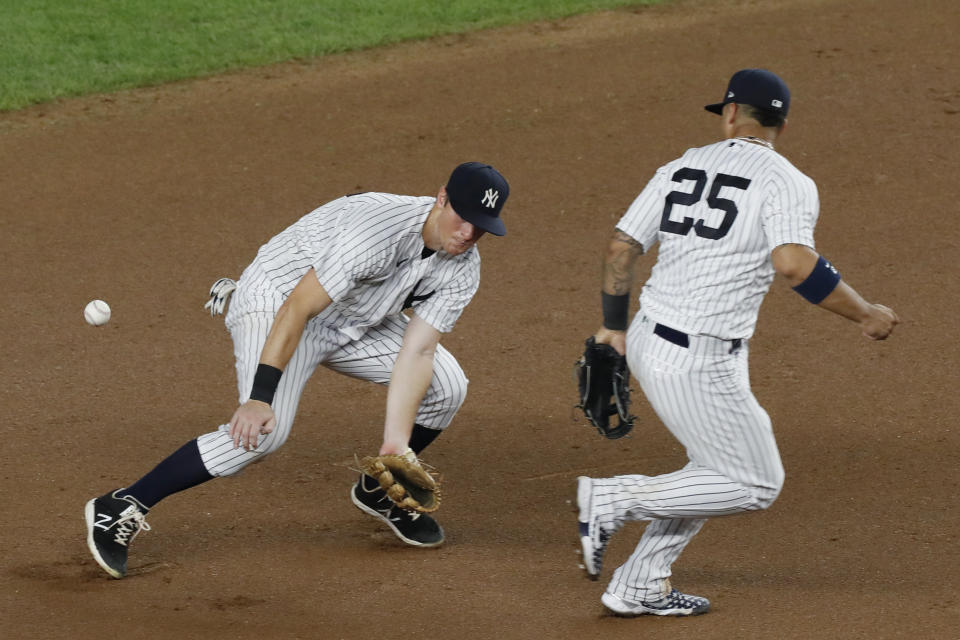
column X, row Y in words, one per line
column 702, row 394
column 369, row 358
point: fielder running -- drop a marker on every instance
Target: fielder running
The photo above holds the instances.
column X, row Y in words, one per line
column 727, row 217
column 331, row 289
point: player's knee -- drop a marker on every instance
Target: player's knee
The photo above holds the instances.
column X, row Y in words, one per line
column 222, row 460
column 458, row 391
column 764, row 497
column 272, row 441
column 766, row 494
column 450, row 386
column 444, row 400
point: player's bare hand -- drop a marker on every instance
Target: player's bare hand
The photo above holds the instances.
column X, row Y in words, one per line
column 879, row 323
column 616, row 339
column 251, row 420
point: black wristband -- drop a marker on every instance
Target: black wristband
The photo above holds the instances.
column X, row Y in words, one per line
column 615, row 311
column 265, row 383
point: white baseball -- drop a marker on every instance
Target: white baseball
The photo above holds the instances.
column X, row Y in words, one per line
column 97, row 312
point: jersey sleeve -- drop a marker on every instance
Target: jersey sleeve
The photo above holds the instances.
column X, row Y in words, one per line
column 791, row 209
column 451, row 295
column 642, row 219
column 354, row 252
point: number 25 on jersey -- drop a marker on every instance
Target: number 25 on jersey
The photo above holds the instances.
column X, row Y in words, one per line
column 699, row 177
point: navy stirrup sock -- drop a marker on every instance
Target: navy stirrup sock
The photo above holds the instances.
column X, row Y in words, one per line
column 421, row 437
column 183, row 469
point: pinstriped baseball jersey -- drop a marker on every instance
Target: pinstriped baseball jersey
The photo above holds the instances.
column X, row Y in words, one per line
column 371, row 358
column 368, row 253
column 366, row 250
column 718, row 211
column 374, row 255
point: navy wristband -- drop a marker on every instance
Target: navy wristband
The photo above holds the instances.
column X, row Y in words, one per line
column 820, row 283
column 615, row 311
column 265, row 383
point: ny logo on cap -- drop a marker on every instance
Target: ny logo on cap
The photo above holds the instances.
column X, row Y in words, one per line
column 776, row 103
column 490, row 198
column 729, row 94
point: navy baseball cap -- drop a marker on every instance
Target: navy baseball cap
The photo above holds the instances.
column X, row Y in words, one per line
column 758, row 88
column 477, row 193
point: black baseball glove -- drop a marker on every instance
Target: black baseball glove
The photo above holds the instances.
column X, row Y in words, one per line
column 602, row 375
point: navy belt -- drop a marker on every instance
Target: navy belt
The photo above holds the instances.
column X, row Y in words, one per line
column 681, row 339
column 678, row 338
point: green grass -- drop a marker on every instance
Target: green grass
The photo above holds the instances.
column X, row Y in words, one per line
column 60, row 48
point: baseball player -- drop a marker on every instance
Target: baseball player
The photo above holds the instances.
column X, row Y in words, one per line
column 727, row 216
column 331, row 289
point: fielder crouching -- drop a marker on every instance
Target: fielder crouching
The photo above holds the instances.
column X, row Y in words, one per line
column 331, row 290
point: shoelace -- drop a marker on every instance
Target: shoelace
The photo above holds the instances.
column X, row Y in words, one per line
column 388, row 505
column 603, row 537
column 676, row 599
column 383, row 504
column 599, row 550
column 129, row 525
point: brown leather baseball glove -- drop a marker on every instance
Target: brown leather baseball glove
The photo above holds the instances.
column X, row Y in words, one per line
column 405, row 480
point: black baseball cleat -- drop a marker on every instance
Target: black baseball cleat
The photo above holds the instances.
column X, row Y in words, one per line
column 416, row 529
column 112, row 524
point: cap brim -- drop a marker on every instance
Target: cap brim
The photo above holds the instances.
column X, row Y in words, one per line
column 715, row 108
column 487, row 223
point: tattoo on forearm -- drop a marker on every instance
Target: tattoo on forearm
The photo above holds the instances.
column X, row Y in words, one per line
column 618, row 268
column 627, row 239
column 617, row 275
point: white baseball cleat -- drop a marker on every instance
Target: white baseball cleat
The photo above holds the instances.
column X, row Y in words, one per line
column 593, row 537
column 672, row 604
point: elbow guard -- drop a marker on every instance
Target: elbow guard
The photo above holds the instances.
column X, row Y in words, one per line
column 820, row 283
